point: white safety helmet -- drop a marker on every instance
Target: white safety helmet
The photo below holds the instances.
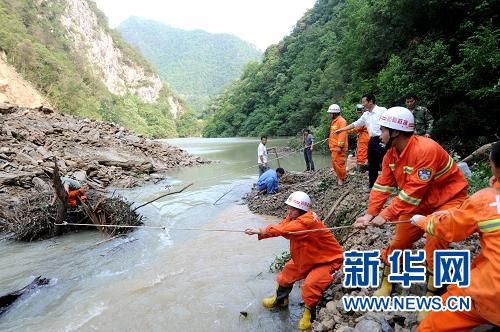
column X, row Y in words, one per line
column 334, row 108
column 299, row 200
column 398, row 118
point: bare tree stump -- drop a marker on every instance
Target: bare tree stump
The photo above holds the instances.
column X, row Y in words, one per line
column 62, row 195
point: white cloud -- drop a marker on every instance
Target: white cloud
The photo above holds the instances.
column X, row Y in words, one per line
column 261, row 22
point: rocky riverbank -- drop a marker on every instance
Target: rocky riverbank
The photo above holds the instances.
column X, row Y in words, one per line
column 339, row 206
column 97, row 153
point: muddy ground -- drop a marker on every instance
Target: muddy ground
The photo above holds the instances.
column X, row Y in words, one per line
column 350, row 201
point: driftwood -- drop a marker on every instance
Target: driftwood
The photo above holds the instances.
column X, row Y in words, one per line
column 479, row 153
column 157, row 198
column 335, row 205
column 7, row 300
column 62, row 195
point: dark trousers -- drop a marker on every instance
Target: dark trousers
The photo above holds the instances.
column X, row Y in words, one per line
column 375, row 155
column 308, row 156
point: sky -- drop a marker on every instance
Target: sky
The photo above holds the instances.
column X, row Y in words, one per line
column 260, row 22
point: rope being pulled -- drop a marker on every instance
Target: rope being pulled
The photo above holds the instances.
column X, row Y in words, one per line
column 220, row 230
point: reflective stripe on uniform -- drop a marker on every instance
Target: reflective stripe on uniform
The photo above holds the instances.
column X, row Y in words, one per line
column 384, row 189
column 408, row 199
column 407, row 169
column 392, row 167
column 489, row 225
column 445, row 169
column 430, row 226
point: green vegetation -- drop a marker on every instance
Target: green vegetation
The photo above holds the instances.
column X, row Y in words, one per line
column 445, row 51
column 196, row 63
column 35, row 43
column 481, row 174
column 279, row 262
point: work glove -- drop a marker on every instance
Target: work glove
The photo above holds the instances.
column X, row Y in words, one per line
column 415, row 218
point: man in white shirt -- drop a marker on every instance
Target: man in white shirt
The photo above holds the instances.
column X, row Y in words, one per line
column 369, row 119
column 262, row 159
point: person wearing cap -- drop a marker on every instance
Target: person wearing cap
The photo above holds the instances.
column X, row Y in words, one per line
column 428, row 180
column 369, row 119
column 315, row 253
column 363, row 139
column 269, row 180
column 337, row 143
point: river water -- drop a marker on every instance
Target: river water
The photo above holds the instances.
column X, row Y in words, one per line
column 155, row 280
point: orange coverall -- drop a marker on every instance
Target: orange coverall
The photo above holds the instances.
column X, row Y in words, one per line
column 362, row 145
column 428, row 180
column 73, row 196
column 315, row 255
column 481, row 214
column 334, row 142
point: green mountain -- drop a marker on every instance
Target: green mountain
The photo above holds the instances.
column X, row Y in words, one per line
column 66, row 50
column 196, row 63
column 444, row 51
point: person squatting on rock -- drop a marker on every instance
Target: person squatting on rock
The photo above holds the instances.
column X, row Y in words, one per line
column 308, row 141
column 478, row 214
column 369, row 119
column 337, row 143
column 428, row 180
column 315, row 256
column 74, row 189
column 362, row 141
column 269, row 180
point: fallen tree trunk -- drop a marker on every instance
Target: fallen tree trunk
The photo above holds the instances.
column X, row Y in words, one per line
column 483, row 152
column 7, row 300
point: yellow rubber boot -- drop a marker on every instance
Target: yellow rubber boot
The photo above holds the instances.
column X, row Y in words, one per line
column 431, row 291
column 279, row 300
column 272, row 302
column 305, row 321
column 386, row 287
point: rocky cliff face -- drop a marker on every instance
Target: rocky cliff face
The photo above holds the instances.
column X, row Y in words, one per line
column 90, row 39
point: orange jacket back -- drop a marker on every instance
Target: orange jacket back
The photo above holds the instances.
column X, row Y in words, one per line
column 425, row 174
column 307, row 249
column 480, row 213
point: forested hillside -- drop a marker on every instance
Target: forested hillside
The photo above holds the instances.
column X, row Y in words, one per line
column 66, row 50
column 196, row 63
column 445, row 51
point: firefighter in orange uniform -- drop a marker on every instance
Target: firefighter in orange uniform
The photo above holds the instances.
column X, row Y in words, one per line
column 479, row 214
column 428, row 180
column 363, row 139
column 337, row 143
column 315, row 256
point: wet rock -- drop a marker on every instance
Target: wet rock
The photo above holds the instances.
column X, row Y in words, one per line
column 368, row 325
column 80, row 176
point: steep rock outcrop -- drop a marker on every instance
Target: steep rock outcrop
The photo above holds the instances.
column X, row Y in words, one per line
column 119, row 74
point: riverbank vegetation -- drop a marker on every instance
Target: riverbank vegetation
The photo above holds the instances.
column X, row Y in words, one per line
column 445, row 51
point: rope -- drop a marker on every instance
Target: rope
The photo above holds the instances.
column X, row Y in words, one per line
column 341, row 227
column 218, row 230
column 154, row 227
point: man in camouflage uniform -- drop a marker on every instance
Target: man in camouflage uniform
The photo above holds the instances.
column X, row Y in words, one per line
column 423, row 117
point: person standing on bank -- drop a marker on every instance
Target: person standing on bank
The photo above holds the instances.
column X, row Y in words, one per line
column 362, row 143
column 337, row 143
column 262, row 159
column 423, row 117
column 369, row 119
column 308, row 141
